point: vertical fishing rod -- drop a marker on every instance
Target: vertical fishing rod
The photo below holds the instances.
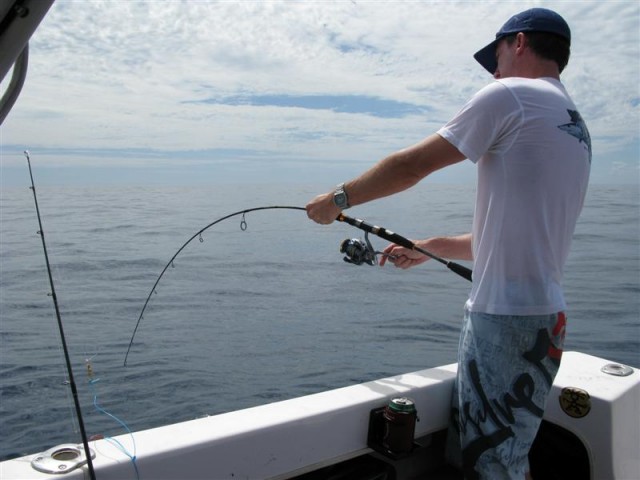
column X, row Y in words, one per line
column 72, row 383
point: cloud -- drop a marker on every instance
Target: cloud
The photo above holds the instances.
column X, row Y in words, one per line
column 329, row 85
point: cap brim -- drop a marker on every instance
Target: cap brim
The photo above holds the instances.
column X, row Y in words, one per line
column 487, row 57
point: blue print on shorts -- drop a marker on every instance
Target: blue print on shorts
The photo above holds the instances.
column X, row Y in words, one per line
column 506, row 368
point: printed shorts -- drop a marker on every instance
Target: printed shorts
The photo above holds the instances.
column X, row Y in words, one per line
column 506, row 366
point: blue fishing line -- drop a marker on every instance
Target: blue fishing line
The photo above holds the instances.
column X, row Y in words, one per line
column 113, row 441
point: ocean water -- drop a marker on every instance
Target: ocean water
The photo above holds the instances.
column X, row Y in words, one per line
column 245, row 317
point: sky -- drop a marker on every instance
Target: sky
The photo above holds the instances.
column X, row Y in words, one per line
column 312, row 92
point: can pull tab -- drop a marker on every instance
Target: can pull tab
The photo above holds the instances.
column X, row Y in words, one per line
column 402, row 404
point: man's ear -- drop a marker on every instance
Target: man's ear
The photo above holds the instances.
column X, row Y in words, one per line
column 521, row 43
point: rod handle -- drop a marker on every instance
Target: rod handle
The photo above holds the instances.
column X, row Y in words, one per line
column 461, row 270
column 379, row 231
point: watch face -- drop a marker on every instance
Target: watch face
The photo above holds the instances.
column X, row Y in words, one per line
column 340, row 199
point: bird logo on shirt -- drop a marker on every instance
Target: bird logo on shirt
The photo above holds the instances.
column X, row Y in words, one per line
column 578, row 128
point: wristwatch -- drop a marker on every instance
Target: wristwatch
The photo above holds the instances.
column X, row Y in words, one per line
column 340, row 197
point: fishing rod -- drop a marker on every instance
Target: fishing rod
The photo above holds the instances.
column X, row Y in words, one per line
column 381, row 232
column 72, row 383
column 356, row 252
column 198, row 234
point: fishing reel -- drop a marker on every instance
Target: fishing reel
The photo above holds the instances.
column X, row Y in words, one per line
column 358, row 252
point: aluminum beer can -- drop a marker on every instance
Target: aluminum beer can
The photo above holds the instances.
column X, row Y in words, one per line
column 400, row 424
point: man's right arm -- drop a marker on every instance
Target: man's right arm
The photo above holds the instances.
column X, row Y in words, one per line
column 395, row 173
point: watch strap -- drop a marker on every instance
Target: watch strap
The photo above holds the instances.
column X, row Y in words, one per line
column 340, row 197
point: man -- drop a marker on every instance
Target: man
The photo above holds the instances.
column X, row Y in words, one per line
column 533, row 153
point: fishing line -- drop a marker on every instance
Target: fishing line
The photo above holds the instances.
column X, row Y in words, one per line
column 92, row 386
column 356, row 252
column 72, row 383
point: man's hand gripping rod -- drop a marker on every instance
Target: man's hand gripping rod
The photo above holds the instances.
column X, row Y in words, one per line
column 381, row 232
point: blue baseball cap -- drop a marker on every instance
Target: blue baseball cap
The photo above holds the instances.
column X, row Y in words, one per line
column 532, row 20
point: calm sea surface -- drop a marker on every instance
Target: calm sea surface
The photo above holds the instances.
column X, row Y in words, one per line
column 253, row 316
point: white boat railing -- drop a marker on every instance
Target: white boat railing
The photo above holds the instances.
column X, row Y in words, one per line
column 289, row 438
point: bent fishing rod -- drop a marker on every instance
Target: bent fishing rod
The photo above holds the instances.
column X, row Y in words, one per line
column 356, row 252
column 72, row 383
column 198, row 234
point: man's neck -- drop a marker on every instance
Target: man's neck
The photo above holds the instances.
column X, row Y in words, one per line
column 538, row 68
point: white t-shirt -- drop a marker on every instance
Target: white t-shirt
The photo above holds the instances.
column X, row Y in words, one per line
column 533, row 153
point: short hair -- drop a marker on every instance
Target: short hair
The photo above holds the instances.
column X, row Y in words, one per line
column 548, row 46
